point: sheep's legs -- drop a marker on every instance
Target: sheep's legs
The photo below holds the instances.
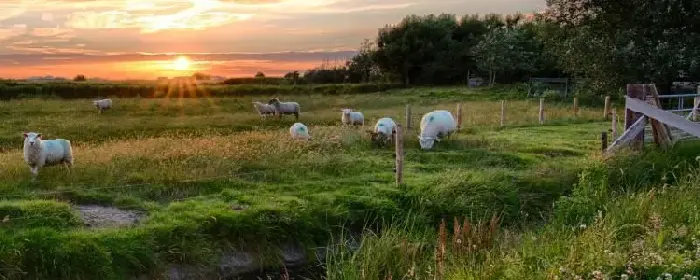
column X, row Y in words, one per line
column 35, row 172
column 296, row 115
column 69, row 166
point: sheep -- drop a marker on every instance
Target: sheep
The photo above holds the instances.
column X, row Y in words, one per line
column 286, row 108
column 39, row 153
column 264, row 109
column 383, row 131
column 299, row 131
column 102, row 104
column 435, row 125
column 348, row 117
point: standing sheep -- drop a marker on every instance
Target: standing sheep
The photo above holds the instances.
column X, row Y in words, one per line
column 383, row 131
column 435, row 125
column 39, row 153
column 102, row 104
column 348, row 117
column 263, row 109
column 299, row 131
column 286, row 108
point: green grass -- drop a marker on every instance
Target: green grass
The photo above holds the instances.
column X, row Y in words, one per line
column 189, row 163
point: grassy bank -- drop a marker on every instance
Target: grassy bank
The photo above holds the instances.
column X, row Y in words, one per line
column 632, row 217
column 210, row 176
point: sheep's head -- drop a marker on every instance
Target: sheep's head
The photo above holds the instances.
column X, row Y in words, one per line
column 346, row 112
column 426, row 143
column 374, row 136
column 31, row 138
column 274, row 101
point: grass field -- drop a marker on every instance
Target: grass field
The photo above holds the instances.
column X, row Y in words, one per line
column 210, row 176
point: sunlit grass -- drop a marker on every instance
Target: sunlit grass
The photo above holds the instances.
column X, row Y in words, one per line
column 186, row 161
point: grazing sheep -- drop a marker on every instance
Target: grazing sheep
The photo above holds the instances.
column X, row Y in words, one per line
column 299, row 131
column 102, row 104
column 264, row 109
column 435, row 125
column 348, row 117
column 39, row 153
column 286, row 108
column 383, row 131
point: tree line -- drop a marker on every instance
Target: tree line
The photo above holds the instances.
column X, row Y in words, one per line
column 605, row 44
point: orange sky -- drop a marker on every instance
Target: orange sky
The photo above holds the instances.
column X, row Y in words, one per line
column 117, row 39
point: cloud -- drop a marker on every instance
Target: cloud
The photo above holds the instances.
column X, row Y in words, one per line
column 9, row 33
column 197, row 15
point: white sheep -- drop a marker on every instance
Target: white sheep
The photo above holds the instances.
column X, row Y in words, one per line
column 102, row 104
column 299, row 131
column 39, row 153
column 286, row 108
column 435, row 125
column 348, row 117
column 264, row 109
column 384, row 130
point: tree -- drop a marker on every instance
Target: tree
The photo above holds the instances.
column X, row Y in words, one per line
column 617, row 42
column 360, row 66
column 201, row 76
column 504, row 50
column 294, row 76
column 260, row 76
column 80, row 78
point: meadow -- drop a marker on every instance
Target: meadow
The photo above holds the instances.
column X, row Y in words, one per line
column 210, row 177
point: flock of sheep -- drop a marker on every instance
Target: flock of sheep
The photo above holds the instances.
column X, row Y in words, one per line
column 434, row 126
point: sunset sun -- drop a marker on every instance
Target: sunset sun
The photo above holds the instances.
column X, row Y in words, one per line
column 181, row 64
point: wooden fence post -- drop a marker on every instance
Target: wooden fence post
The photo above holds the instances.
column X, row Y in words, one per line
column 606, row 109
column 696, row 100
column 408, row 116
column 541, row 110
column 604, row 141
column 399, row 156
column 614, row 124
column 636, row 91
column 459, row 116
column 503, row 113
column 575, row 106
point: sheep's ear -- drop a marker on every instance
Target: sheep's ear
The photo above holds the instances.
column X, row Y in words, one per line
column 38, row 136
column 25, row 135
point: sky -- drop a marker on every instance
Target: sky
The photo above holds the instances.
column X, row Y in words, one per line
column 143, row 39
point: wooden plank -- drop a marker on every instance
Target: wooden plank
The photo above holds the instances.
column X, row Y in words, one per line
column 629, row 135
column 668, row 118
column 606, row 109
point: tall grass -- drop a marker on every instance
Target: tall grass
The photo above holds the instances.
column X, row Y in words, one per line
column 613, row 226
column 212, row 177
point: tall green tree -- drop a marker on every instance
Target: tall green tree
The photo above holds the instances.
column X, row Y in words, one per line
column 616, row 42
column 504, row 50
